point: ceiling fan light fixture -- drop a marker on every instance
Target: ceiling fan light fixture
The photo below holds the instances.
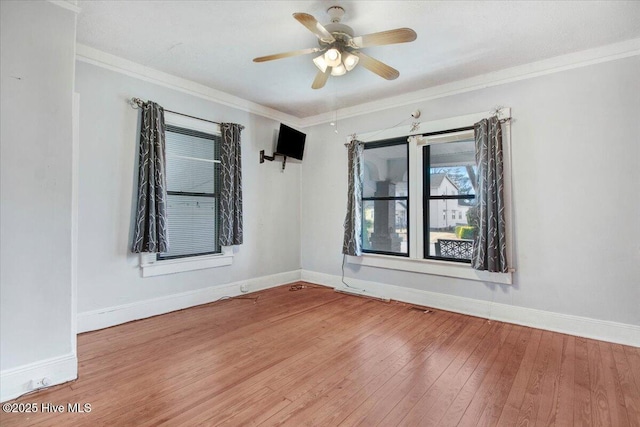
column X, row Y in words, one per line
column 333, row 57
column 320, row 63
column 340, row 70
column 350, row 60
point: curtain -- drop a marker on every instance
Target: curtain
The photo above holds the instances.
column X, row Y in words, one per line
column 489, row 249
column 352, row 244
column 150, row 231
column 231, row 189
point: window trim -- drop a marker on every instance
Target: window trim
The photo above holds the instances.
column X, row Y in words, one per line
column 154, row 267
column 430, row 266
column 416, row 261
column 149, row 264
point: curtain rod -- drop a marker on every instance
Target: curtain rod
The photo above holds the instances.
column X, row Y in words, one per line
column 137, row 102
column 416, row 125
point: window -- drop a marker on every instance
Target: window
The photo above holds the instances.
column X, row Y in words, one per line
column 449, row 171
column 439, row 179
column 385, row 197
column 193, row 187
column 193, row 172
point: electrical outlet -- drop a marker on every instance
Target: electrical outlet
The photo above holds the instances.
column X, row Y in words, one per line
column 40, row 382
column 244, row 288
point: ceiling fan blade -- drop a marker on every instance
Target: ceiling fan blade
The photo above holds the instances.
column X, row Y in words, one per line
column 375, row 66
column 287, row 54
column 314, row 26
column 399, row 35
column 321, row 79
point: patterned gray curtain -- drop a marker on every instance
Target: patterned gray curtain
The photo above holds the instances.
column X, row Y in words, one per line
column 352, row 244
column 489, row 246
column 231, row 191
column 150, row 234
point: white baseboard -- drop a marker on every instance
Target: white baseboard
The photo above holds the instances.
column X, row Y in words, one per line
column 604, row 330
column 17, row 381
column 111, row 316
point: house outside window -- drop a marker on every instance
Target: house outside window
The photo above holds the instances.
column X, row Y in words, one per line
column 449, row 173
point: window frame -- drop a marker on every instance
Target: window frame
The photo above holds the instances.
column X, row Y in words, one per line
column 416, row 261
column 215, row 195
column 149, row 264
column 381, row 144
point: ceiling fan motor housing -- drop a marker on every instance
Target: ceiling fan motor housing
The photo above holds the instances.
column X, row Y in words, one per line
column 342, row 35
column 341, row 32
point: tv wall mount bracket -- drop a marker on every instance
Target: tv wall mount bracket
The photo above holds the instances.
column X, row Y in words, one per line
column 264, row 157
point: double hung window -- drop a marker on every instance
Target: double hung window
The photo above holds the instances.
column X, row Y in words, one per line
column 193, row 188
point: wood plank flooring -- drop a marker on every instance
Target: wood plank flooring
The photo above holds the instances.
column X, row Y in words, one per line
column 317, row 357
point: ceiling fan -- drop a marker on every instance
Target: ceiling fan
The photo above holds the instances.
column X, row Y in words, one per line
column 341, row 50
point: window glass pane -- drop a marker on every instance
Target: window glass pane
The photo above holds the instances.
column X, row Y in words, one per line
column 190, row 144
column 385, row 171
column 453, row 168
column 191, row 224
column 385, row 226
column 190, row 161
column 451, row 232
column 190, row 175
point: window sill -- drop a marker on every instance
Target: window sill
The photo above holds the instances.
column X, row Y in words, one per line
column 438, row 268
column 152, row 267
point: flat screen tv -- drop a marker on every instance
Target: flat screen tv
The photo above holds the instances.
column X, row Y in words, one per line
column 290, row 142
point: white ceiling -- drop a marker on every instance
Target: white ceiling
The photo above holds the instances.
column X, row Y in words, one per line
column 213, row 42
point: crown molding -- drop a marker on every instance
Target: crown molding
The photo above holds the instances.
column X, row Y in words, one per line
column 111, row 62
column 69, row 5
column 556, row 64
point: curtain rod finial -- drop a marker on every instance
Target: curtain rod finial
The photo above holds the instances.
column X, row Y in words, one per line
column 135, row 103
column 352, row 138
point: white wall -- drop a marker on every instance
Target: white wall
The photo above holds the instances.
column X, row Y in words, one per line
column 576, row 154
column 109, row 274
column 38, row 49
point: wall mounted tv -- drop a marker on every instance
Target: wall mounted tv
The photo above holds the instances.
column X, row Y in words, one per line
column 290, row 142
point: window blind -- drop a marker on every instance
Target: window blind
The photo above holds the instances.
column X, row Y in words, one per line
column 193, row 187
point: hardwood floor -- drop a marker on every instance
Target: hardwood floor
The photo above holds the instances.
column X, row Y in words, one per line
column 317, row 357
